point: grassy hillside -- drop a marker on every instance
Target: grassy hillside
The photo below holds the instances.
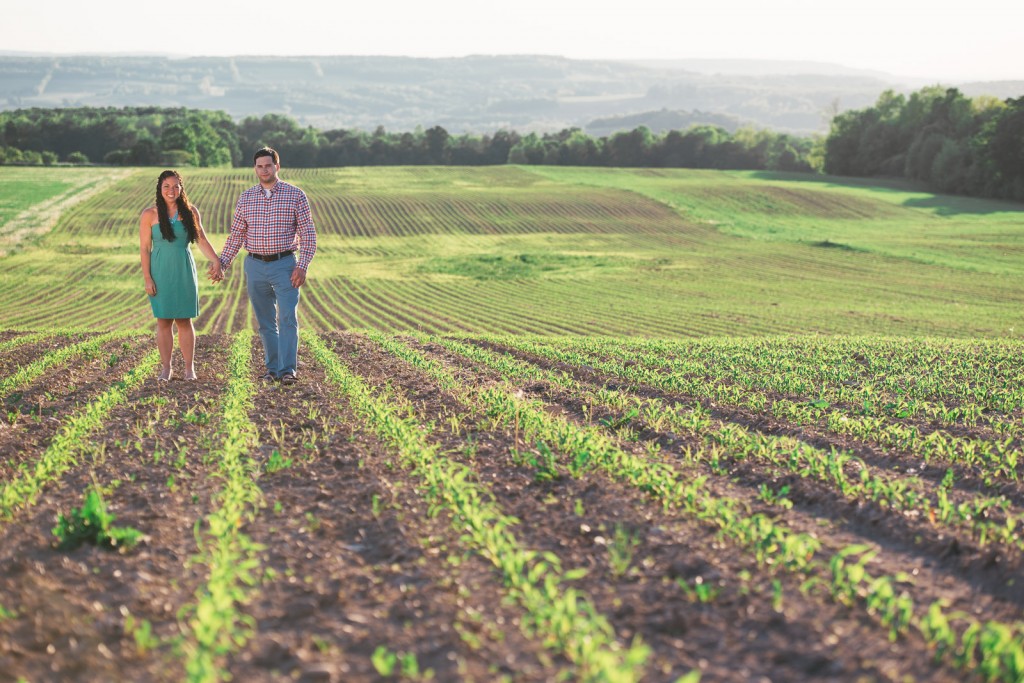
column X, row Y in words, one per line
column 33, row 199
column 566, row 251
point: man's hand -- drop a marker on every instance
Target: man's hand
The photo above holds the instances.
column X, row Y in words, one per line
column 298, row 277
column 215, row 273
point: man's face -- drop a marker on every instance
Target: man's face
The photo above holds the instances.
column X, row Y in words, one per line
column 266, row 170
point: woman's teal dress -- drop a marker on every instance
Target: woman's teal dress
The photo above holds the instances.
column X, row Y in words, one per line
column 174, row 272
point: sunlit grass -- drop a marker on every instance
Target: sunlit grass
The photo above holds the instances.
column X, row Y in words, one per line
column 639, row 252
column 894, row 219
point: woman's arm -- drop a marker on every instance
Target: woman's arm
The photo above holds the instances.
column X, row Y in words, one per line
column 214, row 271
column 146, row 248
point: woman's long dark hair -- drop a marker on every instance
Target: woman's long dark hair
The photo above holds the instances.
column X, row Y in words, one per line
column 184, row 210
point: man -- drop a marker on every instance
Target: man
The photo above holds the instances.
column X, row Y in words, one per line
column 273, row 222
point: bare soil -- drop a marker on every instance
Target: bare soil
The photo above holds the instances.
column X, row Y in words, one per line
column 353, row 562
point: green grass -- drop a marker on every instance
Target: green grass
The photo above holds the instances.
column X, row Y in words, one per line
column 894, row 219
column 24, row 187
column 33, row 199
column 513, row 266
column 19, row 195
column 644, row 252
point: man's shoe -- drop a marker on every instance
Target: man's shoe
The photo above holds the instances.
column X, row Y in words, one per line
column 268, row 376
column 289, row 378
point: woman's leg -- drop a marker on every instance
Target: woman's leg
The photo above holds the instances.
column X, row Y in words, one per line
column 165, row 344
column 187, row 342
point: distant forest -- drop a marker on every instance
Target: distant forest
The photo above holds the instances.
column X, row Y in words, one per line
column 153, row 136
column 953, row 143
column 949, row 141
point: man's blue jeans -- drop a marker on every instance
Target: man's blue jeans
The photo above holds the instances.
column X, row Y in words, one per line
column 275, row 302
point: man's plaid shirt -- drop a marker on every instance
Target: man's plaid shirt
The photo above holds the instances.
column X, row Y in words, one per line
column 271, row 225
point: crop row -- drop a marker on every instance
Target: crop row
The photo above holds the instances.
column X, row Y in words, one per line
column 994, row 458
column 215, row 623
column 586, row 448
column 852, row 477
column 563, row 617
column 63, row 450
column 950, row 382
column 560, row 444
column 377, row 213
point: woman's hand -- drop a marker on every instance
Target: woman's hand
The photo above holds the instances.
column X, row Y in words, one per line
column 215, row 273
column 150, row 287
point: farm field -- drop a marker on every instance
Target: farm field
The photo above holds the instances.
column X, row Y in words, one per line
column 515, row 507
column 551, row 424
column 654, row 253
column 33, row 199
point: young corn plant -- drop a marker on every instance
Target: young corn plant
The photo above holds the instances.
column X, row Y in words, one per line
column 701, row 591
column 73, row 440
column 276, row 462
column 93, row 523
column 215, row 624
column 141, row 632
column 557, row 614
column 620, row 551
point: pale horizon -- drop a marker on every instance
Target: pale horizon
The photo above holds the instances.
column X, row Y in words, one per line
column 912, row 39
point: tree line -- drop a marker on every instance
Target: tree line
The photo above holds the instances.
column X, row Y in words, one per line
column 149, row 136
column 950, row 142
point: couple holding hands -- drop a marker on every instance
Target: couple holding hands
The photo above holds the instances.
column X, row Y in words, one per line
column 272, row 221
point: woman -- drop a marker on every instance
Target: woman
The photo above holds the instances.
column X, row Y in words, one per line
column 165, row 232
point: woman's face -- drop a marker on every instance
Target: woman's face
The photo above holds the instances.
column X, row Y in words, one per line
column 170, row 188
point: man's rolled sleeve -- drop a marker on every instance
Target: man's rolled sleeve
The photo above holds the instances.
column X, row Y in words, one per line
column 306, row 231
column 235, row 237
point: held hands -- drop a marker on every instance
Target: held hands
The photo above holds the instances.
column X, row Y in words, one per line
column 215, row 272
column 298, row 278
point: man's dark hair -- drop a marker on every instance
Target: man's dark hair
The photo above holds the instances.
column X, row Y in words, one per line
column 266, row 152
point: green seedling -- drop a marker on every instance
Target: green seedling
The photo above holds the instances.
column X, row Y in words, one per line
column 276, row 462
column 92, row 523
column 700, row 591
column 620, row 551
column 621, row 421
column 142, row 633
column 777, row 595
column 384, row 661
column 403, row 664
column 775, row 497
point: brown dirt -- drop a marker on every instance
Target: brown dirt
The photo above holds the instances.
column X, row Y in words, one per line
column 352, row 561
column 989, row 573
column 71, row 603
column 33, row 414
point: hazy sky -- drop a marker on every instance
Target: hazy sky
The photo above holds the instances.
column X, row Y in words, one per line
column 967, row 39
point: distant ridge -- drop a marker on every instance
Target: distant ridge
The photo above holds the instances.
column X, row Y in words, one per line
column 762, row 67
column 475, row 94
column 999, row 89
column 662, row 121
